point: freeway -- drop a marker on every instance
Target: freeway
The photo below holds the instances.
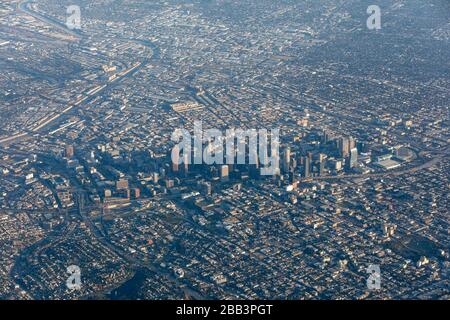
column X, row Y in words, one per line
column 13, row 138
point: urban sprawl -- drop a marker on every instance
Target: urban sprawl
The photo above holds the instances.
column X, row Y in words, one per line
column 89, row 177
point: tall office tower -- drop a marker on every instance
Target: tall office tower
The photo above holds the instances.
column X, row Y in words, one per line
column 287, row 159
column 205, row 188
column 175, row 159
column 93, row 157
column 338, row 165
column 254, row 168
column 325, row 137
column 363, row 147
column 136, row 193
column 344, row 149
column 291, row 176
column 353, row 158
column 162, row 172
column 169, row 183
column 294, row 163
column 351, row 143
column 69, row 151
column 122, row 184
column 224, row 172
column 321, row 164
column 306, row 167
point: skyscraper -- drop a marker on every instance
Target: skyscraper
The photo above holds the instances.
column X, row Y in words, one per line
column 306, row 167
column 351, row 143
column 224, row 172
column 122, row 184
column 326, row 137
column 291, row 176
column 353, row 158
column 287, row 159
column 175, row 159
column 344, row 147
column 92, row 158
column 69, row 151
column 322, row 164
column 186, row 163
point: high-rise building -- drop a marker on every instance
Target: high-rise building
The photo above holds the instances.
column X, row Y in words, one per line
column 322, row 158
column 69, row 151
column 353, row 158
column 351, row 143
column 256, row 158
column 291, row 176
column 169, row 183
column 338, row 165
column 224, row 172
column 122, row 184
column 186, row 163
column 92, row 158
column 155, row 177
column 175, row 159
column 136, row 193
column 294, row 163
column 206, row 188
column 287, row 159
column 306, row 167
column 344, row 147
